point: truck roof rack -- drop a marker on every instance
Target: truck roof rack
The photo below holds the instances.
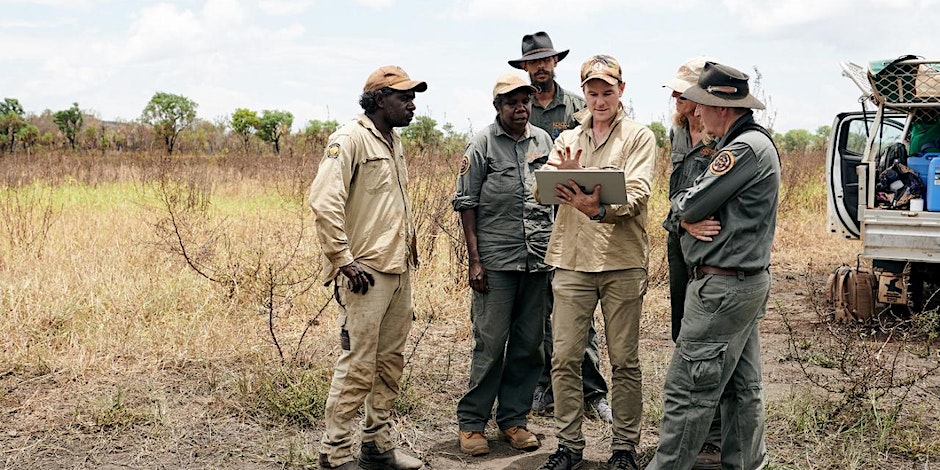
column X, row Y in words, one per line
column 905, row 83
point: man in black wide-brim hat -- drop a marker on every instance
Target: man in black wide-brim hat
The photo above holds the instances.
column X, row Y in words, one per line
column 717, row 355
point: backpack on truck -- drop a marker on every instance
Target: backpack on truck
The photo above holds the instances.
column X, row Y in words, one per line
column 852, row 293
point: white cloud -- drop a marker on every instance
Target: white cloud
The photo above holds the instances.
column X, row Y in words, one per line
column 376, row 4
column 284, row 7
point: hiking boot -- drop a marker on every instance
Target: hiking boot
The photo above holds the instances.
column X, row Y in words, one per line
column 543, row 403
column 521, row 439
column 371, row 459
column 622, row 460
column 600, row 409
column 563, row 459
column 473, row 443
column 325, row 464
column 709, row 458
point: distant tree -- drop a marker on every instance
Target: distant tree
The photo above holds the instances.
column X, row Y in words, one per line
column 28, row 135
column 423, row 133
column 319, row 131
column 245, row 123
column 822, row 137
column 12, row 119
column 273, row 125
column 662, row 135
column 169, row 114
column 796, row 140
column 69, row 121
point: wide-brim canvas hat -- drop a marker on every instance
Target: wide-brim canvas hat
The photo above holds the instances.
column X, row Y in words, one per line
column 392, row 76
column 721, row 85
column 687, row 74
column 510, row 82
column 537, row 46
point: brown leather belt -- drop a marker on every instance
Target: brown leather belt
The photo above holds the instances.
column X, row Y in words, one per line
column 699, row 272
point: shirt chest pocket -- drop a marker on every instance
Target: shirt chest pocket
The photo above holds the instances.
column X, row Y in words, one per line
column 376, row 173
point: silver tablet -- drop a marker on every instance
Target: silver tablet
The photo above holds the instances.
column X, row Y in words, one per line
column 613, row 186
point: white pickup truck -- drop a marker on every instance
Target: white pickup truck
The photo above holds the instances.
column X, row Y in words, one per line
column 899, row 99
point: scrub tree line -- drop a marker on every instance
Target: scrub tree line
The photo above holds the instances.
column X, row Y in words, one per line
column 169, row 123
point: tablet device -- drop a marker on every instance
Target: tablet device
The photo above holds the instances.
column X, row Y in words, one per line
column 613, row 187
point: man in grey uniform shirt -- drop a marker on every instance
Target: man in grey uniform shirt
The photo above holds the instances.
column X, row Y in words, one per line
column 553, row 110
column 717, row 354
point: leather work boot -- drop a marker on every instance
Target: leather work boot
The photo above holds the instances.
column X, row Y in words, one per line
column 709, row 458
column 563, row 459
column 600, row 409
column 371, row 459
column 473, row 443
column 520, row 438
column 622, row 460
column 325, row 464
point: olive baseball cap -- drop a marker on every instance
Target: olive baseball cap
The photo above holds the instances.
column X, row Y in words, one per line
column 603, row 67
column 510, row 82
column 392, row 76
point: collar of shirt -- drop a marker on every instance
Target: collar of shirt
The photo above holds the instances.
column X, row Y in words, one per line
column 366, row 122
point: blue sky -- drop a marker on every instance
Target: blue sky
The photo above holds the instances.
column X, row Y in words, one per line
column 311, row 57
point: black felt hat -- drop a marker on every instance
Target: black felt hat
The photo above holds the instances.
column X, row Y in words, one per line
column 537, row 46
column 720, row 85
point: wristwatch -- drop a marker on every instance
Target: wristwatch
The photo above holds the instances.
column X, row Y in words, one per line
column 600, row 215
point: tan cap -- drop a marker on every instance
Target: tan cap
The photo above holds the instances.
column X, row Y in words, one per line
column 392, row 76
column 603, row 67
column 510, row 82
column 688, row 74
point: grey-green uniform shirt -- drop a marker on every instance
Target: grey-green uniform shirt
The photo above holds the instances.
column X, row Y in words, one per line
column 740, row 188
column 496, row 177
column 558, row 116
column 688, row 162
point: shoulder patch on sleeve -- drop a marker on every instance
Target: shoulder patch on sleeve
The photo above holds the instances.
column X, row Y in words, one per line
column 464, row 165
column 722, row 163
column 332, row 151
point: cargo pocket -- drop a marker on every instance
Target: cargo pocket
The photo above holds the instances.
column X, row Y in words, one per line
column 704, row 362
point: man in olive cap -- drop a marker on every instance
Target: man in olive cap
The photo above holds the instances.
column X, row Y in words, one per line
column 717, row 354
column 367, row 236
column 553, row 110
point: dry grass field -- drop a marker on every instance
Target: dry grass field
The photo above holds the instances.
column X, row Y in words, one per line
column 165, row 312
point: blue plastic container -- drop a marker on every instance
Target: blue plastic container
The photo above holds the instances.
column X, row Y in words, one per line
column 933, row 186
column 921, row 164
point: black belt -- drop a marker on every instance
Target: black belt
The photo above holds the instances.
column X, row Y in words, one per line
column 699, row 272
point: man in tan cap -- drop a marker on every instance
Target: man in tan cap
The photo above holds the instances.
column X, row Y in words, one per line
column 506, row 231
column 717, row 356
column 692, row 150
column 367, row 236
column 600, row 253
column 553, row 110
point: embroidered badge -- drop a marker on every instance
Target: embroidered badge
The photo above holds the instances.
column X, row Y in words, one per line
column 722, row 163
column 464, row 165
column 333, row 150
column 708, row 152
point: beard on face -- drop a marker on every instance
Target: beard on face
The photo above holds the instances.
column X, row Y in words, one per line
column 544, row 84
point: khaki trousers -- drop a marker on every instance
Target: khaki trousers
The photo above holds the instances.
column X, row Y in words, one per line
column 370, row 367
column 577, row 294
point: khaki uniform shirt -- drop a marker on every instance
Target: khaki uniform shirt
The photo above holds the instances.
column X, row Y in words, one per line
column 358, row 197
column 740, row 189
column 619, row 240
column 496, row 178
column 557, row 116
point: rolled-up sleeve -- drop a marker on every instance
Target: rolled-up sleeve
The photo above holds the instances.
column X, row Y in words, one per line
column 470, row 176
